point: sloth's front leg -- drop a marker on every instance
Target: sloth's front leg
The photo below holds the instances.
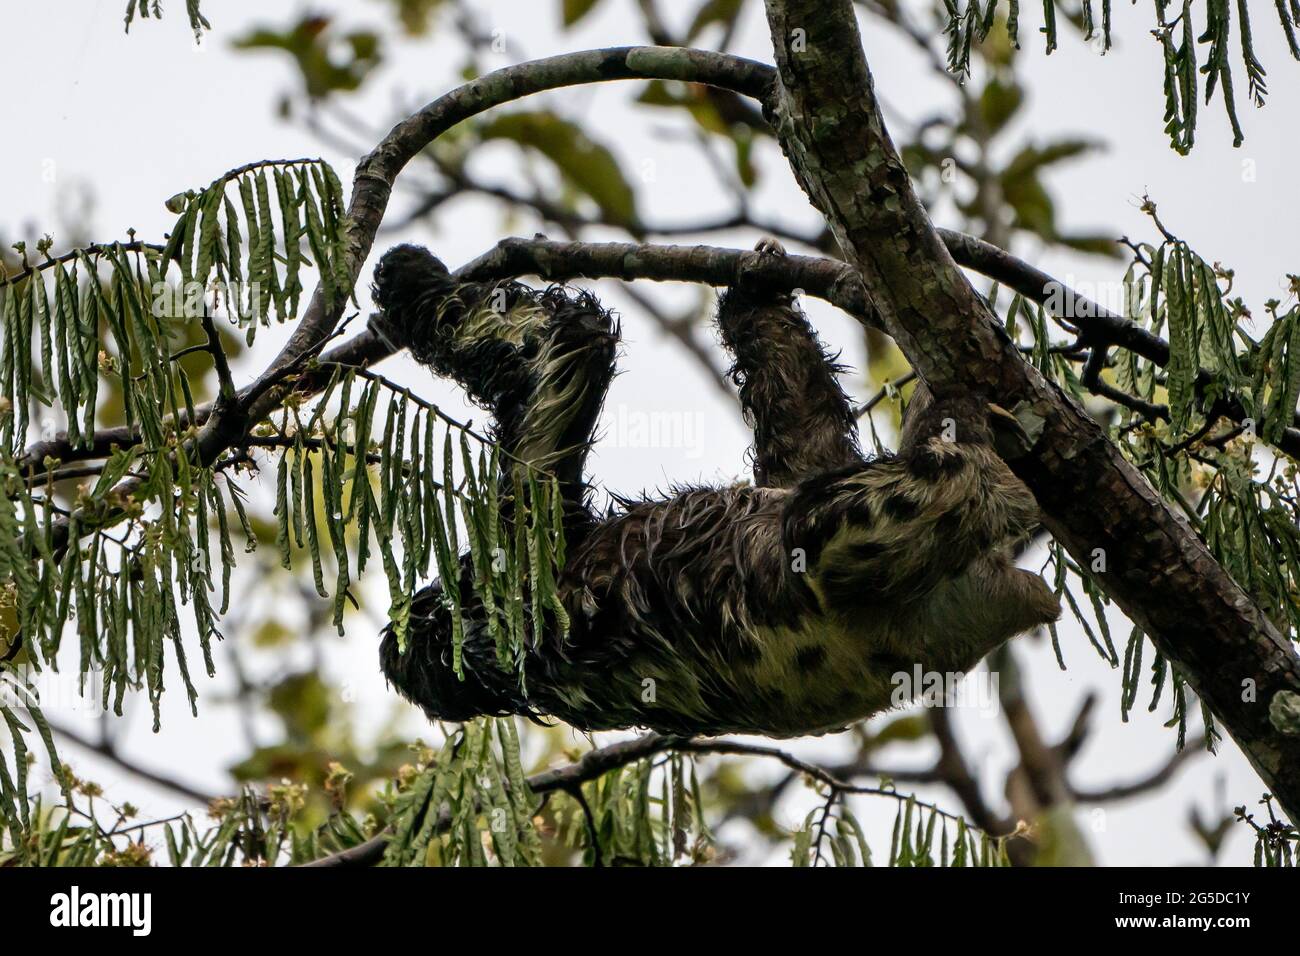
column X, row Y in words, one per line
column 540, row 362
column 886, row 535
column 803, row 422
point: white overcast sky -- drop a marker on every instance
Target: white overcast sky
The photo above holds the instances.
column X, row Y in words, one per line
column 133, row 120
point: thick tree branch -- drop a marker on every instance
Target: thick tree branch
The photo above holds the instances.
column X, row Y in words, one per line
column 827, row 279
column 841, row 286
column 561, row 261
column 1157, row 570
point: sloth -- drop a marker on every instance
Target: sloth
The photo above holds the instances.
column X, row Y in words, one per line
column 782, row 607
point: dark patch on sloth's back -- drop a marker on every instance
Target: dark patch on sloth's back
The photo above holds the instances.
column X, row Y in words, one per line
column 810, row 658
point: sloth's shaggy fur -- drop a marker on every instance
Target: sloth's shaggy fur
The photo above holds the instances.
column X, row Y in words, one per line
column 782, row 608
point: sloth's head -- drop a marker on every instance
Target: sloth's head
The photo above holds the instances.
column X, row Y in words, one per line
column 965, row 417
column 404, row 273
column 410, row 283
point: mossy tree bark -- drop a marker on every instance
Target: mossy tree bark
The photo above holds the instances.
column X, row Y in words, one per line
column 1155, row 567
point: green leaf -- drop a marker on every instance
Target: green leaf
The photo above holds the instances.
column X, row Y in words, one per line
column 585, row 164
column 713, row 11
column 575, row 10
column 329, row 61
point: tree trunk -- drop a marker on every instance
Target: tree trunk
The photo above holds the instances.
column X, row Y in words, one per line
column 1094, row 502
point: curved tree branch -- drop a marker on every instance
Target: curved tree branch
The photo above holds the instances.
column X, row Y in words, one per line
column 1135, row 788
column 228, row 419
column 376, row 173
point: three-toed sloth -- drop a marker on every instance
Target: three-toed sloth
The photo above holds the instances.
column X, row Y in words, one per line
column 780, row 607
